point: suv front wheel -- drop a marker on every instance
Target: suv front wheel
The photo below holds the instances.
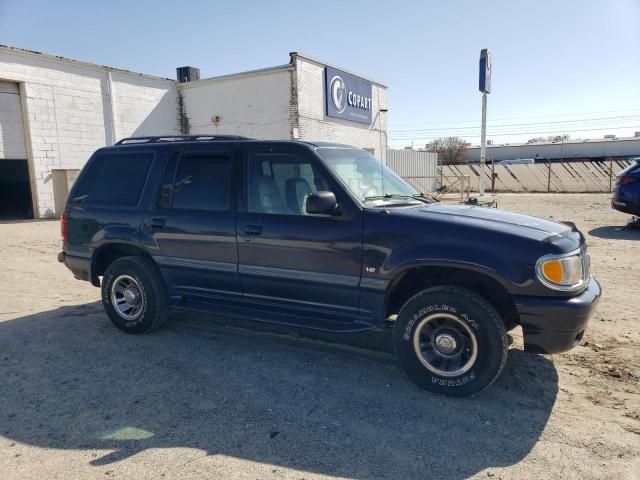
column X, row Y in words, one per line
column 134, row 295
column 450, row 340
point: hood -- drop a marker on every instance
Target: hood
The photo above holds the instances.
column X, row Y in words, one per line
column 499, row 217
column 497, row 220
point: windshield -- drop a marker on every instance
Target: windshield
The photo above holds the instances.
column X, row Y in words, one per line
column 367, row 178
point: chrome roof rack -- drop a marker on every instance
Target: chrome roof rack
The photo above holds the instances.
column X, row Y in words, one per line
column 178, row 138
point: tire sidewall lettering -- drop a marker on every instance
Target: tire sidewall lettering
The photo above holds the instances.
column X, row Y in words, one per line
column 481, row 320
column 458, row 382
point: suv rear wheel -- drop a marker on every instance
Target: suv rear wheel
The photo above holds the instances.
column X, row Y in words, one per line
column 450, row 340
column 134, row 295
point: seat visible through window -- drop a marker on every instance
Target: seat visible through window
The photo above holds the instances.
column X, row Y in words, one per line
column 281, row 182
column 296, row 191
column 264, row 196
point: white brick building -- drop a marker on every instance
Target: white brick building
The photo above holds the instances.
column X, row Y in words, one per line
column 283, row 102
column 54, row 112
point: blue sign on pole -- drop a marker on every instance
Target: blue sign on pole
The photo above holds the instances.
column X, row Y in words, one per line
column 485, row 71
column 347, row 96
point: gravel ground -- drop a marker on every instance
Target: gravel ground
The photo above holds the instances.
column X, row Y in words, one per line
column 202, row 398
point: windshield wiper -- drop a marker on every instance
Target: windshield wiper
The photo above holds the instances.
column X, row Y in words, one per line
column 418, row 196
column 427, row 197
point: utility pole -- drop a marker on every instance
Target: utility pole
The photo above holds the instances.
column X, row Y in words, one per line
column 485, row 88
column 483, row 142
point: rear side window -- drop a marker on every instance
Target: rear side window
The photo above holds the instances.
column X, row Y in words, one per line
column 114, row 180
column 201, row 182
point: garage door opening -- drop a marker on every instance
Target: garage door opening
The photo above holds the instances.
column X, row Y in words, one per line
column 15, row 187
column 15, row 190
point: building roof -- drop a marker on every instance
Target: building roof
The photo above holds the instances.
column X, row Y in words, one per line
column 259, row 71
column 59, row 58
column 320, row 62
column 566, row 142
column 286, row 66
column 229, row 76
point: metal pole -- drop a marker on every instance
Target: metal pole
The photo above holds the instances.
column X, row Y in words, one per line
column 610, row 172
column 483, row 142
column 493, row 175
column 610, row 169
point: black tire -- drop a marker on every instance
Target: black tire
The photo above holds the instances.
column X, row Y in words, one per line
column 434, row 310
column 154, row 309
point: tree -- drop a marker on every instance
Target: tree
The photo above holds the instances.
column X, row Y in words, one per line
column 450, row 150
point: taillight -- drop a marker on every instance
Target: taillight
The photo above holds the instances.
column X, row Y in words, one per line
column 627, row 180
column 63, row 227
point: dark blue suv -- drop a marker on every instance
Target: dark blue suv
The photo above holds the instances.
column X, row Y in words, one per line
column 322, row 236
column 626, row 194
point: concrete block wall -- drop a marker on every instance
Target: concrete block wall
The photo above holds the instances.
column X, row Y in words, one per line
column 312, row 123
column 68, row 109
column 144, row 106
column 252, row 104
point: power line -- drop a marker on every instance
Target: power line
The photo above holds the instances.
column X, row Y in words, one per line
column 520, row 118
column 539, row 132
column 568, row 123
column 512, row 130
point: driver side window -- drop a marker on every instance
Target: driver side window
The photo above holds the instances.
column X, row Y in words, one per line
column 281, row 182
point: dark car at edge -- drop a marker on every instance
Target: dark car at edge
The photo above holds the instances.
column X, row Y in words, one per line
column 626, row 193
column 322, row 236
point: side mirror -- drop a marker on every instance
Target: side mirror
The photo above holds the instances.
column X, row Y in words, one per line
column 322, row 202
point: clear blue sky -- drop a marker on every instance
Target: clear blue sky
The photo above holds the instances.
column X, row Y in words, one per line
column 569, row 66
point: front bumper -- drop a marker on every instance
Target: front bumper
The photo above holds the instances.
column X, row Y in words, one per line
column 553, row 324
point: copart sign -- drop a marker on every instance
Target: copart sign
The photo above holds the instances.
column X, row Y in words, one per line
column 347, row 96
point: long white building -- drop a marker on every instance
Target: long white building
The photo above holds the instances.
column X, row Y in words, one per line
column 591, row 149
column 55, row 111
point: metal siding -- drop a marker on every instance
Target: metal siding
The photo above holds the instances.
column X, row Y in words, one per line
column 12, row 143
column 414, row 164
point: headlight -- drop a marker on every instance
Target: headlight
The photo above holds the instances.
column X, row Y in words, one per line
column 564, row 272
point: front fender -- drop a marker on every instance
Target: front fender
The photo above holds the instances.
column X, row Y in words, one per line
column 514, row 277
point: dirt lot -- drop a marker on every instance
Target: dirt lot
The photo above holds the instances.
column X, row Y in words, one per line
column 200, row 398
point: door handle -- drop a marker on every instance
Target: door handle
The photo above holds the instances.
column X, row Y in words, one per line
column 157, row 222
column 253, row 229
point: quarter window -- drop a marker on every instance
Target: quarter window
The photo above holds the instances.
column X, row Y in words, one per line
column 114, row 180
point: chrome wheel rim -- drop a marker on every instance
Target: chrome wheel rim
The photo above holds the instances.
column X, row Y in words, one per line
column 445, row 344
column 127, row 298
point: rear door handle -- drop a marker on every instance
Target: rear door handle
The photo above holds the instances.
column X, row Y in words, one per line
column 253, row 229
column 157, row 222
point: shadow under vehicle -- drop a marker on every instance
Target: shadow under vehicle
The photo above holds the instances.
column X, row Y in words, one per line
column 72, row 382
